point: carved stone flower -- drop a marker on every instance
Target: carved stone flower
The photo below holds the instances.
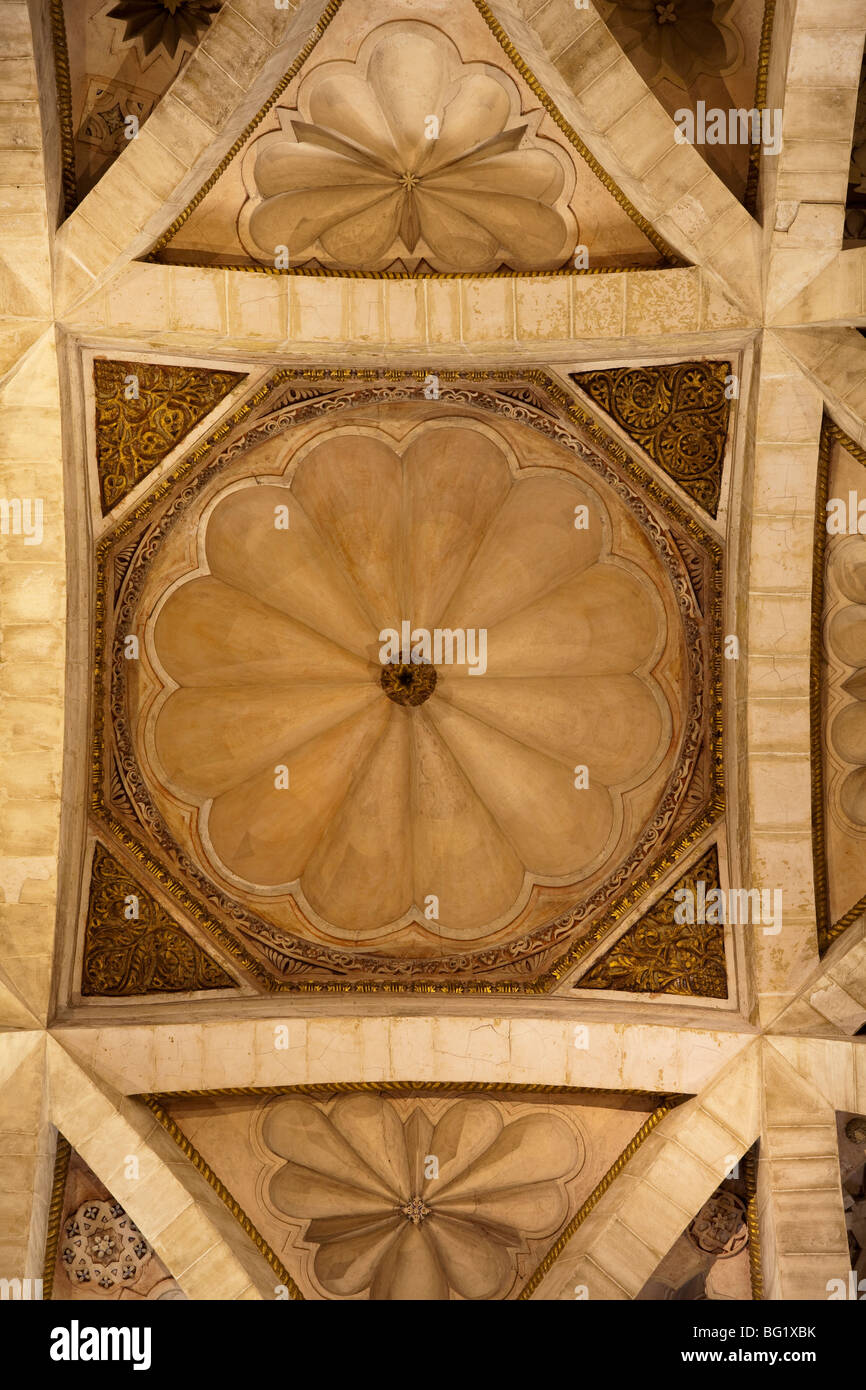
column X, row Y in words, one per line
column 168, row 23
column 422, row 157
column 412, row 1209
column 430, row 782
column 102, row 1246
column 683, row 37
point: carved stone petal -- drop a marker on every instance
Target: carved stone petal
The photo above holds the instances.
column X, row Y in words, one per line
column 267, row 834
column 301, row 1191
column 296, row 218
column 297, row 1130
column 456, row 237
column 209, row 740
column 347, row 104
column 408, row 104
column 849, row 565
column 209, row 633
column 532, row 1209
column 531, row 233
column 479, row 110
column 456, row 481
column 610, row 724
column 848, row 733
column 555, row 829
column 460, row 853
column 360, row 875
column 348, row 1265
column 848, row 634
column 603, row 622
column 465, row 1131
column 411, row 1269
column 367, row 234
column 354, row 495
column 540, row 1145
column 373, row 1128
column 853, row 796
column 531, row 174
column 531, row 546
column 475, row 1263
column 284, row 165
column 291, row 569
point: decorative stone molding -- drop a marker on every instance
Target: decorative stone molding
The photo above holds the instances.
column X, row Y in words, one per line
column 678, row 413
column 131, row 944
column 660, row 955
column 143, row 411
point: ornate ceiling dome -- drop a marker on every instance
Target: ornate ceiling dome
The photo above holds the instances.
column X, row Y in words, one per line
column 442, row 165
column 408, row 683
column 387, row 1220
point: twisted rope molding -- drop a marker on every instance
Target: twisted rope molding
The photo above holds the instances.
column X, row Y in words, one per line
column 63, row 82
column 201, row 1166
column 55, row 1213
column 750, row 1172
column 750, row 197
column 593, row 1199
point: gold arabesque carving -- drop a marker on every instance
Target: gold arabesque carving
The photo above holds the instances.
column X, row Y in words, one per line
column 145, row 953
column 143, row 410
column 659, row 955
column 679, row 413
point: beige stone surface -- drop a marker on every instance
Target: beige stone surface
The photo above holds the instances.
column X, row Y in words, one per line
column 32, row 663
column 777, row 293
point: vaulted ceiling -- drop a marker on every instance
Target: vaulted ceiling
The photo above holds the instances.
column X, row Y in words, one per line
column 418, row 583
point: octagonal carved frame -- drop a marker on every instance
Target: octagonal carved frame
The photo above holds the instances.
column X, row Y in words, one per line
column 123, row 814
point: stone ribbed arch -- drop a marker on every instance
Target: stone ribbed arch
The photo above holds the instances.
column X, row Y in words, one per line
column 834, row 997
column 835, row 361
column 814, row 77
column 232, row 72
column 674, row 1172
column 602, row 95
column 835, row 297
column 185, row 1221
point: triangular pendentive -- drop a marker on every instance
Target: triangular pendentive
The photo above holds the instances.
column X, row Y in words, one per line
column 678, row 413
column 660, row 955
column 132, row 946
column 93, row 1249
column 410, row 146
column 718, row 1255
column 413, row 1141
column 143, row 410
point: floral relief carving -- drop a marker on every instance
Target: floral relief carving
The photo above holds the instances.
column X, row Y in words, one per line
column 416, row 1209
column 143, row 409
column 679, row 413
column 270, row 657
column 659, row 955
column 102, row 1246
column 720, row 1227
column 172, row 759
column 443, row 170
column 683, row 38
column 144, row 953
column 169, row 24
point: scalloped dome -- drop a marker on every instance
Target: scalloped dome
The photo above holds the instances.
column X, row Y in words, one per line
column 308, row 777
